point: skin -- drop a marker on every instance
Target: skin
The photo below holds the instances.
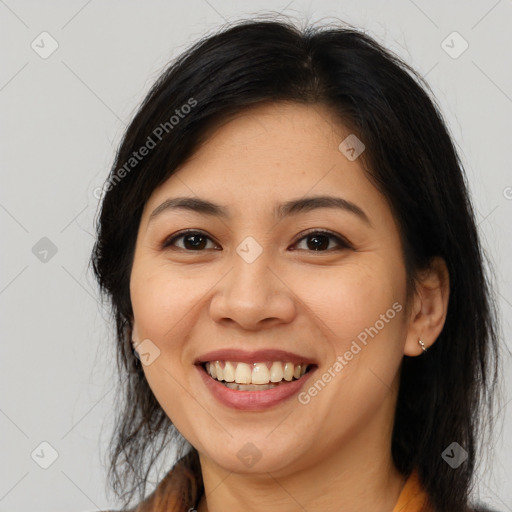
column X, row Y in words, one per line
column 333, row 453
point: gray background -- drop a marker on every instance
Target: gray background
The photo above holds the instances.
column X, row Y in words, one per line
column 61, row 120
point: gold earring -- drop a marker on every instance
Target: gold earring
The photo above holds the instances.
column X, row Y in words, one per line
column 423, row 347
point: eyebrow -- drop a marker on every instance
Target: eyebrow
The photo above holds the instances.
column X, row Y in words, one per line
column 293, row 207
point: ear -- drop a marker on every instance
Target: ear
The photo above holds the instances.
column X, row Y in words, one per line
column 135, row 339
column 429, row 307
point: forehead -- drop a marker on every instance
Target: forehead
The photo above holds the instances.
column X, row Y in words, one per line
column 276, row 132
column 271, row 150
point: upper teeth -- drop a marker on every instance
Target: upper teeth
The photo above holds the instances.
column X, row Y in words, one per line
column 255, row 373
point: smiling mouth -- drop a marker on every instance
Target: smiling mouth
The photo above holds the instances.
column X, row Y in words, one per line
column 255, row 376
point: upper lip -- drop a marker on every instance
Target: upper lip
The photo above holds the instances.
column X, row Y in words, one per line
column 257, row 356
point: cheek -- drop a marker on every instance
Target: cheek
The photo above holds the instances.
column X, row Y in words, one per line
column 360, row 308
column 160, row 300
column 162, row 305
column 351, row 298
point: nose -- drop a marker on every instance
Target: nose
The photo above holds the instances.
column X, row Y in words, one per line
column 253, row 296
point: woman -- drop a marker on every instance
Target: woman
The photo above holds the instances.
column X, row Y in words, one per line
column 291, row 256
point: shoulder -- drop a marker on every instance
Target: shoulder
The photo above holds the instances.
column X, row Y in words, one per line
column 133, row 509
column 180, row 488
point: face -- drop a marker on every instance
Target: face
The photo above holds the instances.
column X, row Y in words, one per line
column 296, row 304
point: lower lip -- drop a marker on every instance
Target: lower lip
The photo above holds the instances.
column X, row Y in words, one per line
column 252, row 400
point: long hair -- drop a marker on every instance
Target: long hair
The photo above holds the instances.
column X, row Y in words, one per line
column 410, row 157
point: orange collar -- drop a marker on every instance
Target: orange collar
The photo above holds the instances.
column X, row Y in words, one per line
column 413, row 497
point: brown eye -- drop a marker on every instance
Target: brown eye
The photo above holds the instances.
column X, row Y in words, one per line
column 191, row 241
column 197, row 241
column 319, row 241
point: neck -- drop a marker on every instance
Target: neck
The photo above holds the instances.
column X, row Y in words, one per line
column 358, row 476
column 355, row 492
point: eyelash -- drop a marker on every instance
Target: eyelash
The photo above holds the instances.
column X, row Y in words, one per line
column 342, row 243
